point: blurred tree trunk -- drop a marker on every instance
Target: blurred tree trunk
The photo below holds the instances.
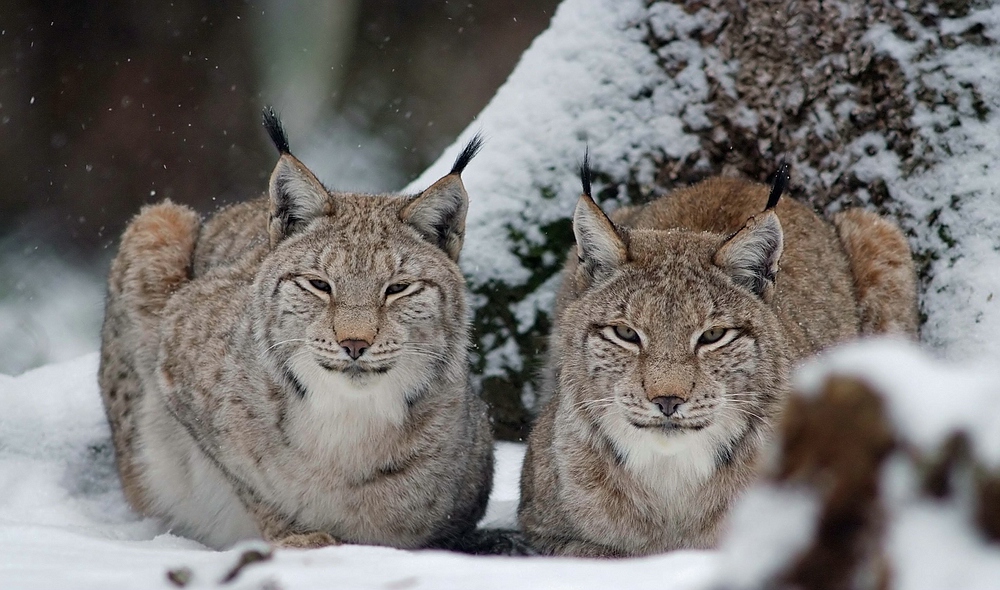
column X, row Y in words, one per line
column 107, row 105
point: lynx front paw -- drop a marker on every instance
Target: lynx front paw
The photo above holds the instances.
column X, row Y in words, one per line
column 305, row 541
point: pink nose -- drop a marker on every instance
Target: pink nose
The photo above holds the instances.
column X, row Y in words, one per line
column 354, row 348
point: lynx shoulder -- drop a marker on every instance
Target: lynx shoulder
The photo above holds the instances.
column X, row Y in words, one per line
column 296, row 368
column 675, row 331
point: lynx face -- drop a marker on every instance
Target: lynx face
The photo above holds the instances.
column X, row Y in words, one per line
column 295, row 369
column 361, row 294
column 667, row 359
column 357, row 306
column 672, row 331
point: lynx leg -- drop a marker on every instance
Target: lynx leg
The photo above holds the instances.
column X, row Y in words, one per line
column 305, row 541
column 153, row 261
column 884, row 274
column 573, row 548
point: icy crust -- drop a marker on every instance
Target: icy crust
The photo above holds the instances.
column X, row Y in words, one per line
column 928, row 400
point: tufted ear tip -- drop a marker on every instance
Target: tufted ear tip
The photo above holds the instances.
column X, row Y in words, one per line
column 470, row 151
column 275, row 130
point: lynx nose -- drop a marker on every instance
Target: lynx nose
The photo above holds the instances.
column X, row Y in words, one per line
column 354, row 348
column 668, row 405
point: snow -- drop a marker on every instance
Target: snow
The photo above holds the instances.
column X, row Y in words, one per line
column 931, row 543
column 932, row 538
column 769, row 526
column 928, row 399
column 64, row 522
column 953, row 206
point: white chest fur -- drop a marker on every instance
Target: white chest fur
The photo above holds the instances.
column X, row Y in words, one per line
column 671, row 466
column 340, row 417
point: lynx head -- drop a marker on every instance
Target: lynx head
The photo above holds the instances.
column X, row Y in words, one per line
column 671, row 338
column 362, row 291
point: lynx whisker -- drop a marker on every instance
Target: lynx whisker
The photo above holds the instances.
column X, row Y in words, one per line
column 747, row 413
column 589, row 402
column 284, row 342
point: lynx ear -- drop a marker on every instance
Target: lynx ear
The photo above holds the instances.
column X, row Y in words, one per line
column 297, row 196
column 439, row 212
column 599, row 246
column 751, row 255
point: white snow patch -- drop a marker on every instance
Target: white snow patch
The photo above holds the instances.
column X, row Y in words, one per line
column 928, row 400
column 768, row 528
column 960, row 192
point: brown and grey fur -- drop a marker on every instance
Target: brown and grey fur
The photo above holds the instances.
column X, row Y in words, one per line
column 607, row 472
column 261, row 382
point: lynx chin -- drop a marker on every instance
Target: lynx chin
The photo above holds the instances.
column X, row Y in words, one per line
column 295, row 369
column 676, row 326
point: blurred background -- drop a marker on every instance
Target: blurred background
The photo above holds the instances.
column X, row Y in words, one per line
column 108, row 105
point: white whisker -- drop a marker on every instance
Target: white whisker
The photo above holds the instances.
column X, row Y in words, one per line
column 283, row 342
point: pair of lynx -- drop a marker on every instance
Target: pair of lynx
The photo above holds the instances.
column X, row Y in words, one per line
column 295, row 369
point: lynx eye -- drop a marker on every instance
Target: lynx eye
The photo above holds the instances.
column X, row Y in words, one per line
column 712, row 335
column 627, row 334
column 320, row 285
column 395, row 288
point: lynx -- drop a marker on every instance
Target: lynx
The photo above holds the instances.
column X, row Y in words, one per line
column 676, row 327
column 296, row 370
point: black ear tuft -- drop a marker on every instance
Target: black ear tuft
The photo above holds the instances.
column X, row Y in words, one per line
column 275, row 130
column 471, row 149
column 779, row 185
column 585, row 172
